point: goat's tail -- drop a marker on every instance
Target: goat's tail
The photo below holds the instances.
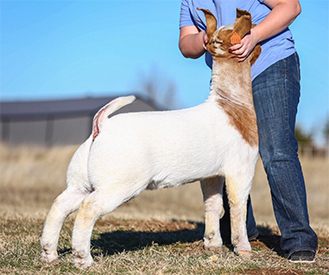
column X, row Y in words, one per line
column 108, row 109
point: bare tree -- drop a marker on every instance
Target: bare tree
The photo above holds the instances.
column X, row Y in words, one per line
column 305, row 141
column 326, row 131
column 159, row 89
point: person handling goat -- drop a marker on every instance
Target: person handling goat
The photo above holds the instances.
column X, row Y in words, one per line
column 276, row 92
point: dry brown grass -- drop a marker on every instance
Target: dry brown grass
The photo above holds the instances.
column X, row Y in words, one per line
column 146, row 247
column 141, row 237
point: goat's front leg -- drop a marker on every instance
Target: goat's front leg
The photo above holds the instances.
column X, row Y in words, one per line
column 212, row 190
column 238, row 191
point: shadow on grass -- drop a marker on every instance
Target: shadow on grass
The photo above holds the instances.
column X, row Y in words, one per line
column 126, row 240
column 270, row 239
column 122, row 240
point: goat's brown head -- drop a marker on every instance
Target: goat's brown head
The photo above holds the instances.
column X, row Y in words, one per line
column 220, row 40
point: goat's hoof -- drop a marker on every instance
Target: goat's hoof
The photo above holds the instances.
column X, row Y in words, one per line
column 48, row 257
column 212, row 242
column 213, row 248
column 83, row 261
column 244, row 253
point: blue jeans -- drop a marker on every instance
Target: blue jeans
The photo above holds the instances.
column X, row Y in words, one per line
column 276, row 93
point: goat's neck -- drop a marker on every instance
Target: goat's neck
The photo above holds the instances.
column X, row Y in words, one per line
column 231, row 81
column 231, row 90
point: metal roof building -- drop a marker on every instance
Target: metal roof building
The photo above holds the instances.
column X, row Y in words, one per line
column 56, row 122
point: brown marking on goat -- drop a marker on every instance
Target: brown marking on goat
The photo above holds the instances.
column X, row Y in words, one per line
column 224, row 37
column 211, row 22
column 238, row 107
column 242, row 117
column 242, row 26
column 255, row 54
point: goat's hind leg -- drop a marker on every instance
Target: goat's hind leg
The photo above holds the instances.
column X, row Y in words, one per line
column 98, row 203
column 66, row 203
column 212, row 190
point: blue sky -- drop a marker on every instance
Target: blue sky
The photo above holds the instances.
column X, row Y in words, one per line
column 64, row 49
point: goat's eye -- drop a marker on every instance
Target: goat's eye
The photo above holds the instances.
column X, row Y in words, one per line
column 217, row 43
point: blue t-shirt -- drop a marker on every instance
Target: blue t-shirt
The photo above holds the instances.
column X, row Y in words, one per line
column 273, row 49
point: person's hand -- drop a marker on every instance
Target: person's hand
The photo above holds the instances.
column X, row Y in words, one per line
column 205, row 40
column 243, row 49
column 192, row 42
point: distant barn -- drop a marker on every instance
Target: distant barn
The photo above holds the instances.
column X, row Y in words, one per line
column 57, row 122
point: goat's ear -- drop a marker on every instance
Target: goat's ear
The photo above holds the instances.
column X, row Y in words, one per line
column 242, row 23
column 256, row 52
column 211, row 22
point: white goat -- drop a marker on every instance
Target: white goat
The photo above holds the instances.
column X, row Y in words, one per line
column 129, row 153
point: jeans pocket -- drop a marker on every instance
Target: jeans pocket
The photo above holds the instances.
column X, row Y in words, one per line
column 296, row 56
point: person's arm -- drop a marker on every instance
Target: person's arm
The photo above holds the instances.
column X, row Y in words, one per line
column 283, row 13
column 192, row 42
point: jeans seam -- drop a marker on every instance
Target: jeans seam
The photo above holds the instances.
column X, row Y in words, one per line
column 297, row 65
column 286, row 128
column 294, row 173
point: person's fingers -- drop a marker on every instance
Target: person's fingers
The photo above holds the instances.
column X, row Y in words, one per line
column 235, row 47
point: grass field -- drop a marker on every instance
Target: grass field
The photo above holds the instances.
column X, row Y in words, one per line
column 159, row 232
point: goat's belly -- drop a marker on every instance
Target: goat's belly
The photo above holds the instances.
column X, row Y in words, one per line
column 153, row 185
column 175, row 180
column 181, row 170
column 153, row 167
